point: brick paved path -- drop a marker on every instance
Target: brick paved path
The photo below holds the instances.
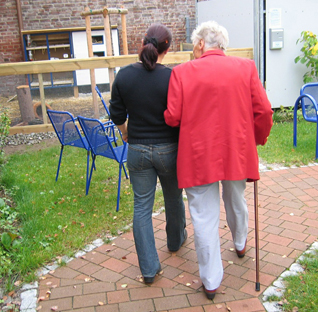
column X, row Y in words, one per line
column 108, row 278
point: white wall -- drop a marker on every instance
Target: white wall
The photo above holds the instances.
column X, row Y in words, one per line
column 236, row 16
column 283, row 76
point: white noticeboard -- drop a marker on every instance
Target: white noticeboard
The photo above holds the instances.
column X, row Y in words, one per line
column 99, row 49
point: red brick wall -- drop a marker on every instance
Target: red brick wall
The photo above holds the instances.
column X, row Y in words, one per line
column 43, row 14
column 10, row 44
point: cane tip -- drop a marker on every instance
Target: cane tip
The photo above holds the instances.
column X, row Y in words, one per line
column 257, row 286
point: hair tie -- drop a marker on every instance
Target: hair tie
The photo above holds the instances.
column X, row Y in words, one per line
column 153, row 41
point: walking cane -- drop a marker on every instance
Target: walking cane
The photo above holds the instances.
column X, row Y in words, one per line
column 257, row 284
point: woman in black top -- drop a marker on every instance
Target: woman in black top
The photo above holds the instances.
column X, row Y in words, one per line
column 140, row 90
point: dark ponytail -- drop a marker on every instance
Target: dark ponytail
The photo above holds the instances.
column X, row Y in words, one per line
column 156, row 41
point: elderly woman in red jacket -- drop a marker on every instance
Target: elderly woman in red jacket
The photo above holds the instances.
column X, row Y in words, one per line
column 223, row 112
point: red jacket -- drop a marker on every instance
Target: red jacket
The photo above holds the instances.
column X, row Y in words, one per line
column 223, row 112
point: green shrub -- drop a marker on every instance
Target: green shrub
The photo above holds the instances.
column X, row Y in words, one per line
column 309, row 55
column 4, row 132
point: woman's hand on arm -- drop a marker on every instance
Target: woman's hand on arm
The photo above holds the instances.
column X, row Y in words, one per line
column 124, row 131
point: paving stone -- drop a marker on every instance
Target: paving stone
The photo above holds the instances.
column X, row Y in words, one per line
column 28, row 299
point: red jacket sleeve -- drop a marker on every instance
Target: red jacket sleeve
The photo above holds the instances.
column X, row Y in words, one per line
column 174, row 106
column 262, row 110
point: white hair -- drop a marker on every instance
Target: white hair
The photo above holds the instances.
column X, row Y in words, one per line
column 213, row 34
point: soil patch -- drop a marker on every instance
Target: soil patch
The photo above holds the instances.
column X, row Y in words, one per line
column 83, row 105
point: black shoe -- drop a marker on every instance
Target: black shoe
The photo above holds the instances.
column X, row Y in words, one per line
column 150, row 280
column 185, row 238
column 209, row 293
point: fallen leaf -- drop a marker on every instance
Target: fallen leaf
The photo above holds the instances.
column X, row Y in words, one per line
column 11, row 293
column 17, row 283
column 82, row 225
column 181, row 276
column 124, row 285
column 124, row 257
column 228, row 308
column 115, row 217
column 295, row 309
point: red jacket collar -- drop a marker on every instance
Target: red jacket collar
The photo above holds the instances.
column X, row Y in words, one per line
column 213, row 52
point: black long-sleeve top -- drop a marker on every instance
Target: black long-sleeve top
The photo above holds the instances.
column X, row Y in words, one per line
column 142, row 94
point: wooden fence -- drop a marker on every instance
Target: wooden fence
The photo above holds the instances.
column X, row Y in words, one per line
column 65, row 65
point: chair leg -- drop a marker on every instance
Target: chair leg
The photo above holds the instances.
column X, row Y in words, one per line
column 87, row 171
column 119, row 183
column 295, row 124
column 317, row 140
column 60, row 159
column 90, row 175
column 125, row 171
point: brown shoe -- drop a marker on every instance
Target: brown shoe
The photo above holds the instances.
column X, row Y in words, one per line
column 241, row 253
column 209, row 293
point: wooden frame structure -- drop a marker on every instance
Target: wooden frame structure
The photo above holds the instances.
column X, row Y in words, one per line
column 41, row 67
column 111, row 70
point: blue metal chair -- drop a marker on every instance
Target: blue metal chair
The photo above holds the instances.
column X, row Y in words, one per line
column 68, row 134
column 307, row 101
column 102, row 99
column 96, row 134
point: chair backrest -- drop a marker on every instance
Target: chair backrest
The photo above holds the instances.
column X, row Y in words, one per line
column 102, row 99
column 309, row 102
column 96, row 134
column 66, row 128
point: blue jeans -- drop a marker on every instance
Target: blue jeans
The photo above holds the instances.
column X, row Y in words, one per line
column 145, row 164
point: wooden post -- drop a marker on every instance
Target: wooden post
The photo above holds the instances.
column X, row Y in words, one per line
column 111, row 71
column 91, row 54
column 25, row 103
column 41, row 89
column 124, row 33
column 106, row 11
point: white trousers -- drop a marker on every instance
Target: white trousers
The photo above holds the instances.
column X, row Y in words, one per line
column 204, row 206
